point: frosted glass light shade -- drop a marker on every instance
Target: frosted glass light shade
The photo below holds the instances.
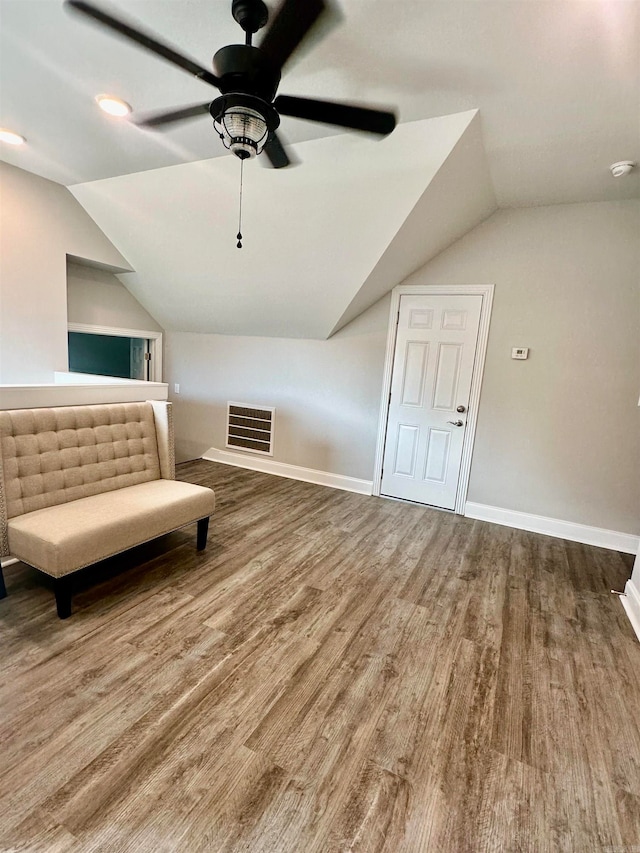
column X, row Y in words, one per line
column 244, row 131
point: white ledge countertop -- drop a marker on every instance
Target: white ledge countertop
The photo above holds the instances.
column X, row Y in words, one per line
column 79, row 389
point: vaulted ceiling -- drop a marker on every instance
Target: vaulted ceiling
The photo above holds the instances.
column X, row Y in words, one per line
column 313, row 236
column 556, row 84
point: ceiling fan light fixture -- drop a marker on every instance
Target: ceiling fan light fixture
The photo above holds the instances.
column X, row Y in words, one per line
column 243, row 130
column 113, row 106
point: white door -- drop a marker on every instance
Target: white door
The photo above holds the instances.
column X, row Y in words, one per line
column 138, row 349
column 430, row 387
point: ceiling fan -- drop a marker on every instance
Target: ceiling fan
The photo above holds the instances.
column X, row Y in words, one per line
column 247, row 113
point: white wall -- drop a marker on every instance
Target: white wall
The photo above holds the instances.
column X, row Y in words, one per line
column 96, row 297
column 40, row 223
column 558, row 435
column 326, row 393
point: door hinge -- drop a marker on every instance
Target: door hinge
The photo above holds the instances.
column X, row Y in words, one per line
column 147, row 356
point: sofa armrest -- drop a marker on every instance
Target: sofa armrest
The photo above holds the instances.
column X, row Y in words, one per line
column 163, row 416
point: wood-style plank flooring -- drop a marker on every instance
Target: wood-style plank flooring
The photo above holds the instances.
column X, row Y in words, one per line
column 334, row 673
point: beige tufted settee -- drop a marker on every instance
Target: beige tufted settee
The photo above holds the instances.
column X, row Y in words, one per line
column 82, row 483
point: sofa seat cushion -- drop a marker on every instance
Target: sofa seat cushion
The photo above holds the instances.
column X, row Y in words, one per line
column 61, row 539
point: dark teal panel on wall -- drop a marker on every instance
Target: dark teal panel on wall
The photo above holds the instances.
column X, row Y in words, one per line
column 104, row 355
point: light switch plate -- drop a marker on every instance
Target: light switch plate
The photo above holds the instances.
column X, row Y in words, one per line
column 520, row 352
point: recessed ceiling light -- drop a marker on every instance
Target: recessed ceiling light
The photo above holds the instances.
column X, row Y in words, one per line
column 11, row 137
column 113, row 106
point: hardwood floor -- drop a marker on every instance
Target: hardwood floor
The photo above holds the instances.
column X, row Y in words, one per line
column 334, row 673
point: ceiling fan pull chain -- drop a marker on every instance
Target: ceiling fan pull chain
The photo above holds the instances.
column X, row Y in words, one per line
column 239, row 235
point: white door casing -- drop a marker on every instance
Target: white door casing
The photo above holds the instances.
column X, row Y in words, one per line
column 435, row 354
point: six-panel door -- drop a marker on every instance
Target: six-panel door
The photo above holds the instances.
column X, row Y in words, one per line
column 432, row 371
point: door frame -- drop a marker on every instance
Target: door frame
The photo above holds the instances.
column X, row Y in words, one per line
column 486, row 292
column 154, row 338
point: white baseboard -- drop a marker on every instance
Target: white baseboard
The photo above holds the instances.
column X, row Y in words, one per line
column 612, row 539
column 631, row 603
column 292, row 472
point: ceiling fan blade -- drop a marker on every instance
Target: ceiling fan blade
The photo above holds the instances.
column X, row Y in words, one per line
column 293, row 21
column 160, row 119
column 274, row 150
column 344, row 115
column 143, row 39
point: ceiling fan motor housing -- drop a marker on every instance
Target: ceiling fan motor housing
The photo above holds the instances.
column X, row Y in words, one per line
column 243, row 68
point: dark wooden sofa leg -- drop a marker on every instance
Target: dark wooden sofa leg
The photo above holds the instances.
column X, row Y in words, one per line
column 62, row 590
column 203, row 529
column 3, row 589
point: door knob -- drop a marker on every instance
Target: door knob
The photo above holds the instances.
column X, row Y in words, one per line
column 455, row 423
column 461, row 409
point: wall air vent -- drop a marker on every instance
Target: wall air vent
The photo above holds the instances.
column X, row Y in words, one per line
column 250, row 428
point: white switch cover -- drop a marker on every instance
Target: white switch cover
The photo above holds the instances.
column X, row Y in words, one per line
column 176, row 387
column 520, row 352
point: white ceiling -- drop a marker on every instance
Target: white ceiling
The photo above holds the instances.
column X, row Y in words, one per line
column 313, row 237
column 557, row 86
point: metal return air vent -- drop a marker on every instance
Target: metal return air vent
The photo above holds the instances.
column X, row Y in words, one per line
column 250, row 428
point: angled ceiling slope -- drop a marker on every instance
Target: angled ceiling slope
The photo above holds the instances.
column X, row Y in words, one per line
column 313, row 235
column 457, row 199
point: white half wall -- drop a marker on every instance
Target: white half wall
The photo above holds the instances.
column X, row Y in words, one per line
column 80, row 389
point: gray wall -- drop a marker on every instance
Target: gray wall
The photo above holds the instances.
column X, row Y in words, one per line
column 326, row 393
column 40, row 224
column 557, row 435
column 98, row 298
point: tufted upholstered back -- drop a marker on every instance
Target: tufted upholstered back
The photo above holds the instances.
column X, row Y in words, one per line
column 51, row 456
